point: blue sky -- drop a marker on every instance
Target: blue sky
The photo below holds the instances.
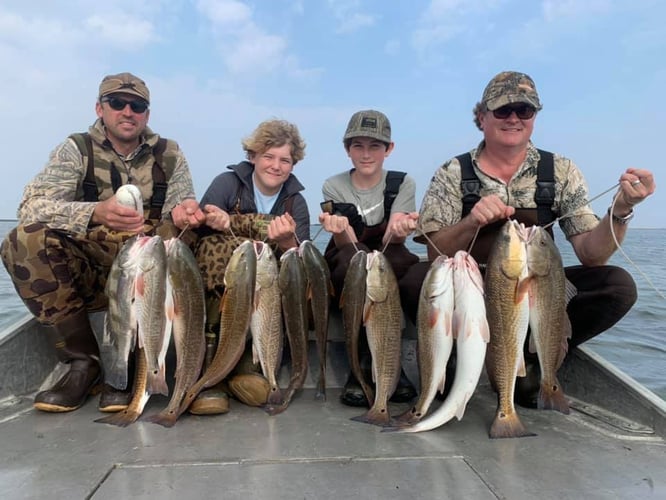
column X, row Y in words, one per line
column 216, row 68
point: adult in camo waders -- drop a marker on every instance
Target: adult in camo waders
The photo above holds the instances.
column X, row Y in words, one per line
column 70, row 228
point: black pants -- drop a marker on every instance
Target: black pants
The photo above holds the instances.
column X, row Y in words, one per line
column 605, row 295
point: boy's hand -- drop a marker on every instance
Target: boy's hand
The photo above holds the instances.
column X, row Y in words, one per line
column 400, row 225
column 336, row 224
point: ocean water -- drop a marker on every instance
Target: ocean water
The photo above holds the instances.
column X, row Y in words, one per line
column 637, row 344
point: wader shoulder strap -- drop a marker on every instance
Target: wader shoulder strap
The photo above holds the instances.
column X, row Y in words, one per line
column 84, row 143
column 393, row 182
column 469, row 183
column 544, row 196
column 159, row 181
column 545, row 191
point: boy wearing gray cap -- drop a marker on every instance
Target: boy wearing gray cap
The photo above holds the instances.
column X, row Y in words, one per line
column 369, row 208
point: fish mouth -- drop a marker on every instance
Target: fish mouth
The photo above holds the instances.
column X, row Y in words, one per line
column 259, row 247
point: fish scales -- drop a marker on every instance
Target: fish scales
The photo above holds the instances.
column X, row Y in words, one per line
column 266, row 320
column 471, row 334
column 434, row 336
column 507, row 310
column 351, row 302
column 188, row 325
column 320, row 289
column 120, row 323
column 293, row 282
column 151, row 294
column 549, row 323
column 382, row 316
column 236, row 309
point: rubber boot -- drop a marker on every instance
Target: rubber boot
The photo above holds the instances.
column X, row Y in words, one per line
column 75, row 345
column 404, row 391
column 247, row 384
column 527, row 388
column 215, row 400
column 113, row 400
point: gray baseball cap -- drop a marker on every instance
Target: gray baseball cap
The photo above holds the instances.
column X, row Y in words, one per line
column 369, row 123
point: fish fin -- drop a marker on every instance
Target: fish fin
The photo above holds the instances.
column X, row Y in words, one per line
column 121, row 419
column 522, row 289
column 433, row 316
column 367, row 310
column 570, row 291
column 331, row 288
column 484, row 330
column 508, row 425
column 531, row 343
column 551, row 397
column 521, row 372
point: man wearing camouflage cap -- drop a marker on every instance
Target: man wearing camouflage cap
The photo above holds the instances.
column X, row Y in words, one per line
column 71, row 226
column 506, row 176
column 369, row 208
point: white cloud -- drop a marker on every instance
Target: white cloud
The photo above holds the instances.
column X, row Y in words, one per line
column 348, row 15
column 121, row 30
column 244, row 46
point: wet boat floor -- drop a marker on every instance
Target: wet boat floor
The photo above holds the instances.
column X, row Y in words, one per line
column 314, row 451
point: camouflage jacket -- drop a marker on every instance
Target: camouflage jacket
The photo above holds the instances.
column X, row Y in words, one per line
column 55, row 196
column 442, row 204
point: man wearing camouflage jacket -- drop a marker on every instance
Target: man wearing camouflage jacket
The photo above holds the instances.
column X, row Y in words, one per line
column 71, row 227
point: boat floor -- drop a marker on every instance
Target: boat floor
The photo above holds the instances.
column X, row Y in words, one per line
column 314, row 451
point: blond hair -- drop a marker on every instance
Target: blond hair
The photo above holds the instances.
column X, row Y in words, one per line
column 275, row 133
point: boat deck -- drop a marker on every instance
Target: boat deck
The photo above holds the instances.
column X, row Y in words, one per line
column 314, row 451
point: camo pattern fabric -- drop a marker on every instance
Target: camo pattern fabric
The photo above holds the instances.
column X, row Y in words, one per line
column 442, row 202
column 214, row 251
column 57, row 273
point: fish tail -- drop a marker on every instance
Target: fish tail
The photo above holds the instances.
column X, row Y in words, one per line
column 121, row 419
column 508, row 425
column 375, row 416
column 156, row 383
column 165, row 418
column 275, row 397
column 551, row 397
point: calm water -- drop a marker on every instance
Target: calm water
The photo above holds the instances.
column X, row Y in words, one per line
column 636, row 344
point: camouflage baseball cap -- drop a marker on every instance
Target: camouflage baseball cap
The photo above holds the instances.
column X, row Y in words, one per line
column 369, row 123
column 125, row 83
column 509, row 87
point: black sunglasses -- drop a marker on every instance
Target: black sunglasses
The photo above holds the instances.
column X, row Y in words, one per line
column 523, row 111
column 119, row 104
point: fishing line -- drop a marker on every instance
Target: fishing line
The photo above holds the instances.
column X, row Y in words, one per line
column 388, row 240
column 321, row 228
column 469, row 249
column 183, row 231
column 570, row 214
column 432, row 244
column 624, row 254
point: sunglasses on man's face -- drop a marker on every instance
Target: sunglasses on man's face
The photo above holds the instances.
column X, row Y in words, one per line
column 523, row 111
column 118, row 104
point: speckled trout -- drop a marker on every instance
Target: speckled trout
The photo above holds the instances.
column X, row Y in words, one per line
column 266, row 320
column 293, row 284
column 120, row 323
